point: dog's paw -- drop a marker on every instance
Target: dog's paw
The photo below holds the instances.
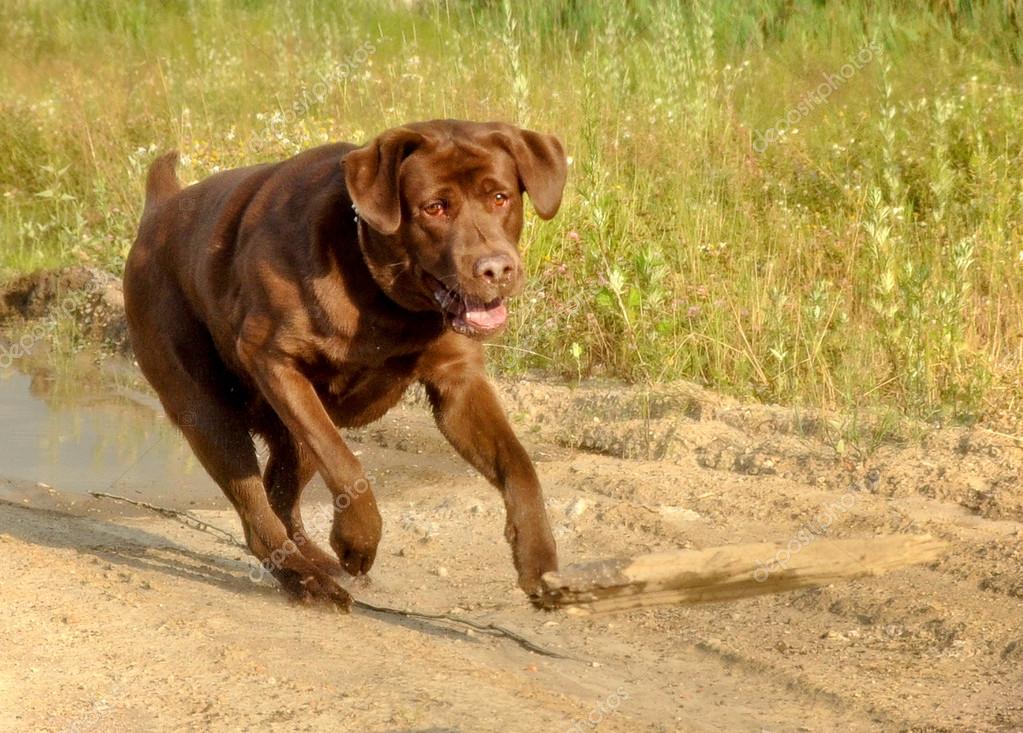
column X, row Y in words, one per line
column 314, row 588
column 534, row 553
column 355, row 536
column 322, row 588
column 355, row 553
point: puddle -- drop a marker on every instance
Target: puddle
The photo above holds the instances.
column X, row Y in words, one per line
column 71, row 424
column 72, row 436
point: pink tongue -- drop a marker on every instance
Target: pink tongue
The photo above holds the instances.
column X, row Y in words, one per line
column 486, row 318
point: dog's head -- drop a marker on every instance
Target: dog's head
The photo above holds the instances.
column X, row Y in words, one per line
column 443, row 202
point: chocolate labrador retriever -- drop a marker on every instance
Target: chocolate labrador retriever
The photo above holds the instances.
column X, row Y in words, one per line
column 287, row 300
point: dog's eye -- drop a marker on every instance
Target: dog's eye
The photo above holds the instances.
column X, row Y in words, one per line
column 435, row 208
column 500, row 199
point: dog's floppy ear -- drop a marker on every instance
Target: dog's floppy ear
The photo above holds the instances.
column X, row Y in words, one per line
column 371, row 175
column 542, row 166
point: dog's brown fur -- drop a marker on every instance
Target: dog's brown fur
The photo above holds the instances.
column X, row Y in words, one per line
column 259, row 302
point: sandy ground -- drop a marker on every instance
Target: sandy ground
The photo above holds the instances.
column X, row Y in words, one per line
column 118, row 619
column 115, row 619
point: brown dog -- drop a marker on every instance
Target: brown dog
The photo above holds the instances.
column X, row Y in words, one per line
column 259, row 302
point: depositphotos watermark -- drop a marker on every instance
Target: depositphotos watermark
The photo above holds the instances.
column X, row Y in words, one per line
column 320, row 520
column 817, row 96
column 66, row 308
column 806, row 535
column 600, row 712
column 278, row 123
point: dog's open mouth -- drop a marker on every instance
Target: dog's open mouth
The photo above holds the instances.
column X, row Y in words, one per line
column 469, row 315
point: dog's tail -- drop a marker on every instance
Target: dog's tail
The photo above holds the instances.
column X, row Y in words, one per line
column 162, row 181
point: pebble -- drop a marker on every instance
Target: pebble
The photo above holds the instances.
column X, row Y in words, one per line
column 679, row 513
column 576, row 508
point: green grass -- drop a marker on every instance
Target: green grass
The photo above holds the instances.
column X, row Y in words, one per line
column 871, row 255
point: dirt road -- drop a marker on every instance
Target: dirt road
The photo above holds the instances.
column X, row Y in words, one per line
column 120, row 620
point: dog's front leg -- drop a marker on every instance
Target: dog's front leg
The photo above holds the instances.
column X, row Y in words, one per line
column 470, row 416
column 357, row 524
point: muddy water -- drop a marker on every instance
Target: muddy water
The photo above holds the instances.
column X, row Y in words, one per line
column 72, row 433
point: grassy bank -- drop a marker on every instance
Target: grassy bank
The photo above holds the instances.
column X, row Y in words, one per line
column 811, row 202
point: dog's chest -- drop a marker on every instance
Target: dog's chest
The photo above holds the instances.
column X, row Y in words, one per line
column 357, row 396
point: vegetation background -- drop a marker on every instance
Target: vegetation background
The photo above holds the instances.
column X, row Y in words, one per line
column 812, row 202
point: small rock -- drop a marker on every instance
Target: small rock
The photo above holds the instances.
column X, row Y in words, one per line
column 1013, row 650
column 678, row 513
column 442, row 572
column 576, row 508
column 873, row 477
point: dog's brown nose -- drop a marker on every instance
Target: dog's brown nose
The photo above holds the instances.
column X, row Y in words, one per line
column 494, row 269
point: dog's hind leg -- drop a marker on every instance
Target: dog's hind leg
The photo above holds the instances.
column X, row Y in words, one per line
column 222, row 443
column 288, row 470
column 179, row 360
